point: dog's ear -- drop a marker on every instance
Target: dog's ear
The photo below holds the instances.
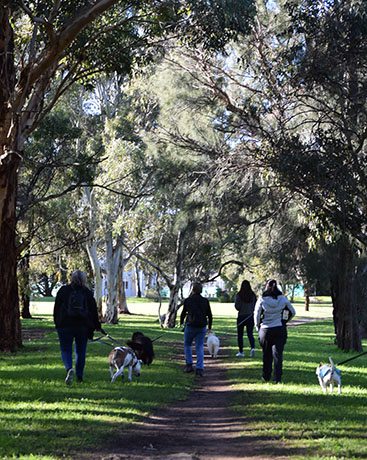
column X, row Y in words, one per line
column 321, row 363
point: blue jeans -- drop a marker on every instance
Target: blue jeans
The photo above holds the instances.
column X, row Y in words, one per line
column 66, row 337
column 197, row 333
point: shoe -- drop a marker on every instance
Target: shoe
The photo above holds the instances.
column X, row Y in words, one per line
column 199, row 372
column 69, row 377
column 188, row 368
column 240, row 354
column 252, row 353
column 79, row 379
column 264, row 380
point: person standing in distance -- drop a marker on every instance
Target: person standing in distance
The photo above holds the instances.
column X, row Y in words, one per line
column 75, row 318
column 244, row 303
column 270, row 314
column 199, row 315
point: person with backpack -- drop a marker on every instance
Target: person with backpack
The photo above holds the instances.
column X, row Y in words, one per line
column 244, row 303
column 199, row 315
column 272, row 312
column 75, row 318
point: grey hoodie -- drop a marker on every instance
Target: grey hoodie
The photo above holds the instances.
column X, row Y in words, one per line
column 272, row 310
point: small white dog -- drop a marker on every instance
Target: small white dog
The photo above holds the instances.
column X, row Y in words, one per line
column 329, row 374
column 212, row 342
column 121, row 357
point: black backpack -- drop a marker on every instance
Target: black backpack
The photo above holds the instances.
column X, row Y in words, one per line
column 78, row 304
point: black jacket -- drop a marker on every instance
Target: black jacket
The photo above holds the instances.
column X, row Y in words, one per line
column 61, row 318
column 197, row 309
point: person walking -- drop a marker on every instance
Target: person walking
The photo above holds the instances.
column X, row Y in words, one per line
column 272, row 311
column 76, row 318
column 199, row 315
column 244, row 303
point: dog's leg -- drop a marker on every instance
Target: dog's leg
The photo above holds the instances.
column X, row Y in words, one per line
column 119, row 372
column 331, row 386
column 322, row 385
column 339, row 389
column 130, row 374
column 112, row 368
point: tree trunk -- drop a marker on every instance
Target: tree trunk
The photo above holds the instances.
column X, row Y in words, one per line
column 307, row 298
column 92, row 246
column 177, row 282
column 10, row 328
column 25, row 301
column 123, row 308
column 137, row 280
column 345, row 311
column 113, row 260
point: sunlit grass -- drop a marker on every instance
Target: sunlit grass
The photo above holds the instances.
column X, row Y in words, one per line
column 41, row 418
column 310, row 424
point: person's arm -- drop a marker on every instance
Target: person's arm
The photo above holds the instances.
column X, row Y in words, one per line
column 210, row 317
column 183, row 314
column 237, row 302
column 291, row 309
column 58, row 306
column 257, row 314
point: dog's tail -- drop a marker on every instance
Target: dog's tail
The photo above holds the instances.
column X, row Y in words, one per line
column 332, row 362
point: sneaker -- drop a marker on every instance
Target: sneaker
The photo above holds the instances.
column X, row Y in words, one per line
column 241, row 354
column 252, row 353
column 69, row 377
column 199, row 372
column 79, row 379
column 188, row 368
column 264, row 380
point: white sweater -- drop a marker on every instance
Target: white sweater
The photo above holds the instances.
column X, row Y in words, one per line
column 272, row 310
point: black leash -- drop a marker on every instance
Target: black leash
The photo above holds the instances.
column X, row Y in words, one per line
column 350, row 359
column 158, row 337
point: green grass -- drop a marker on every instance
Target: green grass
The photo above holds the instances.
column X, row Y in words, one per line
column 42, row 418
column 310, row 424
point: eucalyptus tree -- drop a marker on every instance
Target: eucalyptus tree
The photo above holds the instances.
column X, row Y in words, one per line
column 46, row 46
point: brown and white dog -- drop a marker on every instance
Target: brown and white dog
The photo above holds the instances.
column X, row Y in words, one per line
column 119, row 358
column 328, row 374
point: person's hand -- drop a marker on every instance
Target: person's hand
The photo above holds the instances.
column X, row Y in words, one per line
column 208, row 331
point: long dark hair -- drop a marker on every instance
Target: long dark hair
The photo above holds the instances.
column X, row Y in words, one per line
column 246, row 293
column 271, row 290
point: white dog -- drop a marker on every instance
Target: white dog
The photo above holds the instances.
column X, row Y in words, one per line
column 121, row 357
column 212, row 343
column 329, row 374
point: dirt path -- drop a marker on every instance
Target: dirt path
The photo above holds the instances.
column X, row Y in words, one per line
column 200, row 428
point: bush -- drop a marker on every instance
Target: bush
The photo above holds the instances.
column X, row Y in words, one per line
column 223, row 296
column 152, row 294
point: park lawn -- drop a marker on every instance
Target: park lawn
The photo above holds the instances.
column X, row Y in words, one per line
column 310, row 424
column 42, row 418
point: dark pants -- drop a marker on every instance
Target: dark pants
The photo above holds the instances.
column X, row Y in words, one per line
column 272, row 341
column 66, row 337
column 249, row 323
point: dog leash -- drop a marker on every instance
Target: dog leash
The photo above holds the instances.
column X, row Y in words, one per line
column 249, row 316
column 350, row 359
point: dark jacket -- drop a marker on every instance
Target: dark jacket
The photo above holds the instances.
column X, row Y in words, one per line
column 61, row 317
column 197, row 309
column 244, row 308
